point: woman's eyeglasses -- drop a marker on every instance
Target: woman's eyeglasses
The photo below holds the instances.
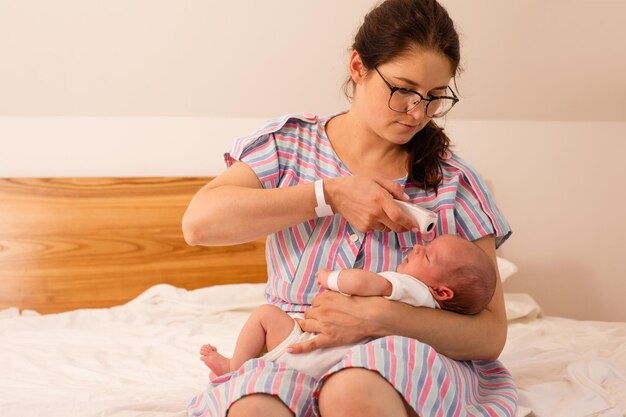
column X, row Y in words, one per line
column 404, row 100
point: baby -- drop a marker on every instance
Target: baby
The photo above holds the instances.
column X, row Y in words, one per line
column 450, row 273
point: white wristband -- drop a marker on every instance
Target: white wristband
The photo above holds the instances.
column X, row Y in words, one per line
column 322, row 209
column 333, row 281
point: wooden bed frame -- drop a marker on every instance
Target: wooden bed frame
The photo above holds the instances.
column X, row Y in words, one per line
column 68, row 243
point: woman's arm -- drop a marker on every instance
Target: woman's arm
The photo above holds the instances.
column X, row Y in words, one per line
column 342, row 320
column 357, row 282
column 234, row 208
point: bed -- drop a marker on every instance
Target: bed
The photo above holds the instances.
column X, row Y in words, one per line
column 103, row 308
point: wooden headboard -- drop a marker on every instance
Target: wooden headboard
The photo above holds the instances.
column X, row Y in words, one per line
column 68, row 243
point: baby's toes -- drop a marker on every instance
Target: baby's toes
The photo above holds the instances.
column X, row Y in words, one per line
column 206, row 349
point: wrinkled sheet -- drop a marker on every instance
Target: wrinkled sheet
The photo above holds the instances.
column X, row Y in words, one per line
column 567, row 368
column 141, row 358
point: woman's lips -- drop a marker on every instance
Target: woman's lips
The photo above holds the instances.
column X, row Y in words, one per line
column 407, row 126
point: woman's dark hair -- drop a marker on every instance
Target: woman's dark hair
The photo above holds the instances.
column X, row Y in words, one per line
column 391, row 29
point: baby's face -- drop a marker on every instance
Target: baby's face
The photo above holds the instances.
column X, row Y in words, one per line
column 431, row 263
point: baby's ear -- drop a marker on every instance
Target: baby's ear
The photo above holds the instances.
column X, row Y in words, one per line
column 442, row 293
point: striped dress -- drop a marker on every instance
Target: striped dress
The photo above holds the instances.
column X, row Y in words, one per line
column 295, row 150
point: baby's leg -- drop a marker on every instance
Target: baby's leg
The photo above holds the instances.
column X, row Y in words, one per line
column 268, row 326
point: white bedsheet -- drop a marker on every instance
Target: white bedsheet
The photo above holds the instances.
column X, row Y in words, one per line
column 141, row 359
column 568, row 368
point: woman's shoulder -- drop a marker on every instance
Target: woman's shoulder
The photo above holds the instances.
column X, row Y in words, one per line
column 454, row 168
column 293, row 127
column 286, row 122
column 285, row 134
column 476, row 212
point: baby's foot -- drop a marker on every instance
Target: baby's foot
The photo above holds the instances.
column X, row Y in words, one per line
column 217, row 363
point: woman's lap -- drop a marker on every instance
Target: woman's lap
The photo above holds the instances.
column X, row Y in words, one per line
column 256, row 376
column 433, row 384
column 429, row 382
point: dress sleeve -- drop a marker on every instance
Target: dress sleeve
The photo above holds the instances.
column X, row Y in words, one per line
column 260, row 152
column 476, row 214
column 271, row 150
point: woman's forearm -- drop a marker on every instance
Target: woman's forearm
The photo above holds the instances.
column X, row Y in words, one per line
column 234, row 208
column 231, row 214
column 457, row 336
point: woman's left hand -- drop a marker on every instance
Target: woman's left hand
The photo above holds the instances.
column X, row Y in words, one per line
column 338, row 320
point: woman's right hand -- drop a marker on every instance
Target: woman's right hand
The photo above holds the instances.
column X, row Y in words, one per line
column 367, row 203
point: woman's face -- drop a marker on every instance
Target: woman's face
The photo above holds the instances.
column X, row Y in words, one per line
column 424, row 71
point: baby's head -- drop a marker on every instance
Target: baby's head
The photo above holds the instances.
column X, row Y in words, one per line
column 460, row 275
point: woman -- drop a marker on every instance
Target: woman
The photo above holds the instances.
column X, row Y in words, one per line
column 322, row 189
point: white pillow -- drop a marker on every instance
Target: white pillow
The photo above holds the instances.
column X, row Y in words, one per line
column 506, row 268
column 521, row 305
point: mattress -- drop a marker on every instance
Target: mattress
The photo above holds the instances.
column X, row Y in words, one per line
column 141, row 358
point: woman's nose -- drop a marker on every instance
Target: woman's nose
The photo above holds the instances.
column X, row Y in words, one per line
column 419, row 112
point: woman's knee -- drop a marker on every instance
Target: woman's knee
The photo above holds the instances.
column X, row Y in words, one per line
column 358, row 391
column 259, row 405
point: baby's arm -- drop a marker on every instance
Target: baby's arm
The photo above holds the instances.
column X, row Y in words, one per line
column 357, row 282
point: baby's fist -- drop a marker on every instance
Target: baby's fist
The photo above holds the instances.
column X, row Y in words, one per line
column 322, row 277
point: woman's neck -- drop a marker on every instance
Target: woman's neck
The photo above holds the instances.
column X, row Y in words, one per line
column 362, row 151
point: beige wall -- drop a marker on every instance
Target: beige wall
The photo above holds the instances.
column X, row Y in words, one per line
column 160, row 87
column 531, row 59
column 560, row 185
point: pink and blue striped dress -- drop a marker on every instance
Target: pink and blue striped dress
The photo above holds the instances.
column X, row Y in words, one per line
column 295, row 150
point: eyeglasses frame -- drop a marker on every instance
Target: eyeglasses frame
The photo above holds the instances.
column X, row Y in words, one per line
column 393, row 89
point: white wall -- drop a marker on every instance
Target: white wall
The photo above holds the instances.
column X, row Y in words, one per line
column 560, row 185
column 117, row 146
column 161, row 87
